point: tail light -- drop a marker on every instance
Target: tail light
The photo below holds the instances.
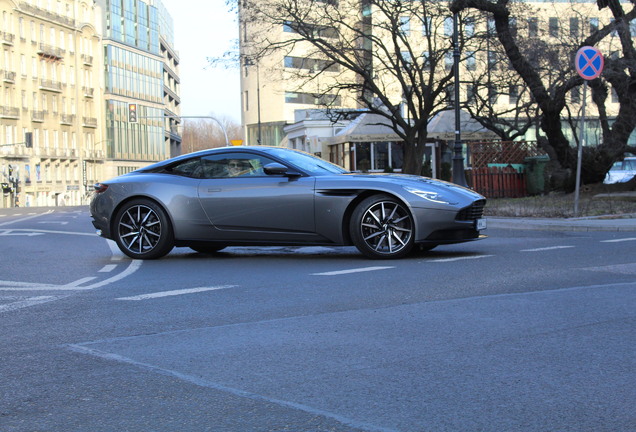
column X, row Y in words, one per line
column 100, row 187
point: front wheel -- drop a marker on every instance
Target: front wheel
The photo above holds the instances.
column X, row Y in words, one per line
column 142, row 230
column 382, row 228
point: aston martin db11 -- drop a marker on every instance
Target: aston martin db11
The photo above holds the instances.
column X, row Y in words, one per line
column 268, row 196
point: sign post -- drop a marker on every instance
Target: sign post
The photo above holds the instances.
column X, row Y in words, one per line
column 589, row 64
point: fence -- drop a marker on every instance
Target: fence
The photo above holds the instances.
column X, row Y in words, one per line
column 498, row 167
column 498, row 182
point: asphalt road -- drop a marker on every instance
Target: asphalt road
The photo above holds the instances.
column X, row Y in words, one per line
column 528, row 330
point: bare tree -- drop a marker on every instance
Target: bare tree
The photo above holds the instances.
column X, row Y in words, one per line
column 390, row 58
column 201, row 134
column 550, row 81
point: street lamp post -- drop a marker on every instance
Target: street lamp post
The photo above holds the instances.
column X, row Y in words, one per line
column 459, row 176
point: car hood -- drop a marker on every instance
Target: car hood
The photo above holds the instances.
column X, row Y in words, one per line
column 416, row 182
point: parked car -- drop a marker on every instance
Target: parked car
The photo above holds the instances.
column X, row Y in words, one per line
column 259, row 195
column 622, row 171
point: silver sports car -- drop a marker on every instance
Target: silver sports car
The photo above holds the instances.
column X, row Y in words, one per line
column 276, row 196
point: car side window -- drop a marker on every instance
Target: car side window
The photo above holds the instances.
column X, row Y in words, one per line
column 187, row 168
column 229, row 165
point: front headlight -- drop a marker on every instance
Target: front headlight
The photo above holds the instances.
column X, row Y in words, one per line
column 435, row 197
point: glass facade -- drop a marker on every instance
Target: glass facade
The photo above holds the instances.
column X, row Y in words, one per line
column 134, row 23
column 133, row 75
column 135, row 141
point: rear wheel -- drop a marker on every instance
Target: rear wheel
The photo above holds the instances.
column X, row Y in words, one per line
column 382, row 228
column 142, row 230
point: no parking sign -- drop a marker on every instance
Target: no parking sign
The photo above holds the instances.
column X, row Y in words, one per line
column 589, row 62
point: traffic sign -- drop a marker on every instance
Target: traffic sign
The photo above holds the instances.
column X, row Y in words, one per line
column 589, row 62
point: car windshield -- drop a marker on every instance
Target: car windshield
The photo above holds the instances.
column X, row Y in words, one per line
column 310, row 164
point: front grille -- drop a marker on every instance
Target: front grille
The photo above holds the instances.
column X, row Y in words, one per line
column 473, row 212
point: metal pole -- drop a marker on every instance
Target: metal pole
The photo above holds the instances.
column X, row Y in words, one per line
column 579, row 155
column 258, row 102
column 459, row 176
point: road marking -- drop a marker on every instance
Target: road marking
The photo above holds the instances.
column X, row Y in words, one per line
column 32, row 301
column 11, row 232
column 619, row 240
column 40, row 231
column 358, row 270
column 460, row 258
column 546, row 248
column 174, row 293
column 26, row 218
column 54, row 222
column 108, row 268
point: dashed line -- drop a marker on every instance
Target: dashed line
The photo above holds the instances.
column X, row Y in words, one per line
column 546, row 248
column 108, row 268
column 174, row 293
column 357, row 270
column 460, row 258
column 31, row 301
column 619, row 240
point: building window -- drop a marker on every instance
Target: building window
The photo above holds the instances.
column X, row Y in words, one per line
column 513, row 94
column 533, row 27
column 471, row 61
column 311, row 99
column 574, row 27
column 593, row 25
column 553, row 27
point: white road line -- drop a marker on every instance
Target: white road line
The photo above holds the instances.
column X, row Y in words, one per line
column 32, row 301
column 174, row 293
column 546, row 248
column 358, row 270
column 619, row 240
column 33, row 231
column 26, row 218
column 108, row 268
column 460, row 258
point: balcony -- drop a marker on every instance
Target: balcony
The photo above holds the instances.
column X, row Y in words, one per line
column 90, row 122
column 7, row 76
column 88, row 92
column 49, row 85
column 9, row 113
column 37, row 116
column 67, row 119
column 87, row 60
column 7, row 38
column 49, row 16
column 50, row 52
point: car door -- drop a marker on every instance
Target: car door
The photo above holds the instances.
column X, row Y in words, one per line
column 248, row 205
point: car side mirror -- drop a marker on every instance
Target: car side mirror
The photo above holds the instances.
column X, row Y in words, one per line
column 279, row 169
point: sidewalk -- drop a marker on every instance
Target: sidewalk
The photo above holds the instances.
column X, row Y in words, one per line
column 602, row 223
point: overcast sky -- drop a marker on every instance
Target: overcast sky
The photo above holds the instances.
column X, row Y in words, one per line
column 205, row 28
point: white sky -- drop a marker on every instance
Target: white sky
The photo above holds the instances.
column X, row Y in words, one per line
column 205, row 28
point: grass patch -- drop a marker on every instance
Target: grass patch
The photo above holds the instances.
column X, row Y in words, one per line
column 596, row 201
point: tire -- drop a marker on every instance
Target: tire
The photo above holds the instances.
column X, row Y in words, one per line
column 142, row 230
column 211, row 249
column 382, row 228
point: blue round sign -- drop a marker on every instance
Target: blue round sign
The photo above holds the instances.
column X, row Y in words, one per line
column 589, row 62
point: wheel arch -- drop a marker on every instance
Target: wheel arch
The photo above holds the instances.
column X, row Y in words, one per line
column 346, row 220
column 135, row 197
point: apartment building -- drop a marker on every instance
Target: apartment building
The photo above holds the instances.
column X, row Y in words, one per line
column 69, row 70
column 270, row 98
column 50, row 142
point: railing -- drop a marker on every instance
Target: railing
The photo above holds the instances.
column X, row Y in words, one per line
column 9, row 112
column 8, row 76
column 50, row 51
column 89, row 122
column 50, row 16
column 87, row 60
column 37, row 116
column 50, row 85
column 7, row 38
